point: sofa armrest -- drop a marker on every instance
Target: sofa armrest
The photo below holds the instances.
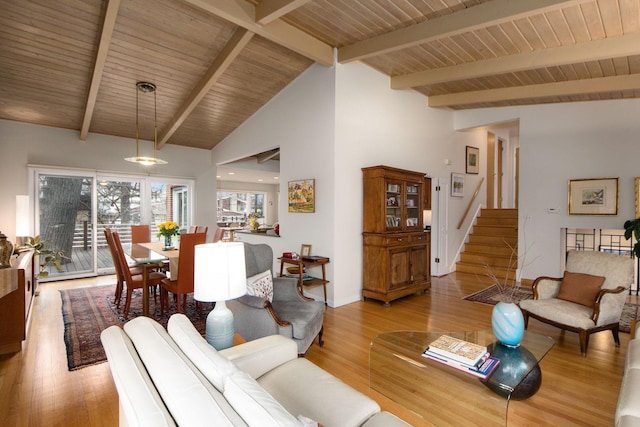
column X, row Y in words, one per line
column 260, row 356
column 546, row 287
column 286, row 289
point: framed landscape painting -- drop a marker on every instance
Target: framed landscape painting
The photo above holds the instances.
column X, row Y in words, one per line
column 473, row 160
column 457, row 184
column 597, row 196
column 301, row 196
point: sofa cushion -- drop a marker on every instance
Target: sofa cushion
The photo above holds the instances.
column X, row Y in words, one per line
column 190, row 398
column 628, row 397
column 213, row 366
column 304, row 318
column 140, row 402
column 580, row 288
column 254, row 404
column 299, row 386
column 261, row 285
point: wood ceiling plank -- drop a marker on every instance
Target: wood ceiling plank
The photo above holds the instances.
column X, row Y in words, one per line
column 101, row 57
column 268, row 11
column 242, row 14
column 589, row 51
column 233, row 48
column 575, row 87
column 480, row 16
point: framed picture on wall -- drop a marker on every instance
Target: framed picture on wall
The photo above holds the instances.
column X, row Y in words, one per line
column 457, row 184
column 598, row 196
column 473, row 160
column 301, row 196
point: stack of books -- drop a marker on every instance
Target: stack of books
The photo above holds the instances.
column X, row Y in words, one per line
column 466, row 356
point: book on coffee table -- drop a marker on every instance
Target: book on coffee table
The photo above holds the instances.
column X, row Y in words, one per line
column 458, row 350
column 482, row 370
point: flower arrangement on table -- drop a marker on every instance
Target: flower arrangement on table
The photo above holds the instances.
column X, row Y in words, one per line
column 253, row 219
column 168, row 229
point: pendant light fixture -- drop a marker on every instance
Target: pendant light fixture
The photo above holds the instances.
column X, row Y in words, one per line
column 146, row 87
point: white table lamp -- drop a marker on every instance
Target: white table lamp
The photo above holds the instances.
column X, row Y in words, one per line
column 22, row 219
column 219, row 274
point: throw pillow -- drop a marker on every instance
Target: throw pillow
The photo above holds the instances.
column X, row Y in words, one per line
column 580, row 288
column 261, row 285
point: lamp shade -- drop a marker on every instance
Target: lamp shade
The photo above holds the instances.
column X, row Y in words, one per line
column 219, row 271
column 22, row 216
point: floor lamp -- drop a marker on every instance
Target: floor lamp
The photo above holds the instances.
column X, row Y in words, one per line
column 219, row 274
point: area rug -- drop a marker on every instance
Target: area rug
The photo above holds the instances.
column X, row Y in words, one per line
column 86, row 312
column 491, row 295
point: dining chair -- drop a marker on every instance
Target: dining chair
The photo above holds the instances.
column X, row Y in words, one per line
column 202, row 229
column 133, row 281
column 108, row 234
column 218, row 234
column 192, row 229
column 183, row 283
column 140, row 233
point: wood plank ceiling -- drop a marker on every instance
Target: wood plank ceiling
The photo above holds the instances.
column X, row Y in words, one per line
column 74, row 63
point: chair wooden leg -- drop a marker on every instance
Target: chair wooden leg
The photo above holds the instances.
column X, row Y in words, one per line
column 616, row 337
column 118, row 294
column 127, row 303
column 525, row 314
column 320, row 340
column 584, row 341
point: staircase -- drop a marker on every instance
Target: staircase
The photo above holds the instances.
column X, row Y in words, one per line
column 492, row 244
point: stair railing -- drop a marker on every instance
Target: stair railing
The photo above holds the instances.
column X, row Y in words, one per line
column 466, row 212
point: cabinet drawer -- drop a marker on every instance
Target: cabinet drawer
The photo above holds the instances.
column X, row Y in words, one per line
column 418, row 238
column 396, row 239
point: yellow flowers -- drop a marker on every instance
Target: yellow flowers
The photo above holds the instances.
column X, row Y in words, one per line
column 168, row 228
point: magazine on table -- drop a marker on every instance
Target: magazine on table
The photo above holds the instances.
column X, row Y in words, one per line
column 484, row 368
column 458, row 350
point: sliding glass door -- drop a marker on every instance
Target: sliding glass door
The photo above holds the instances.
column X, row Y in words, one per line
column 74, row 207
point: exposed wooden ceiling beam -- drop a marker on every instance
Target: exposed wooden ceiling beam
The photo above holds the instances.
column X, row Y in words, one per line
column 267, row 155
column 270, row 10
column 627, row 45
column 103, row 48
column 573, row 87
column 232, row 49
column 480, row 16
column 243, row 14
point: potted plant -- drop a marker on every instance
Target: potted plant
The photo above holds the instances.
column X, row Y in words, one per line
column 46, row 257
column 168, row 229
column 632, row 228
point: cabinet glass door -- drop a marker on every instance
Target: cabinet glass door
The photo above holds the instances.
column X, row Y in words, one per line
column 412, row 205
column 394, row 205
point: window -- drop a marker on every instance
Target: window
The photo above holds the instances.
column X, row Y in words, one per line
column 235, row 207
column 180, row 205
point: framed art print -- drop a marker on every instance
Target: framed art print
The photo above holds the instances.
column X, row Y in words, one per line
column 301, row 196
column 457, row 184
column 473, row 160
column 597, row 196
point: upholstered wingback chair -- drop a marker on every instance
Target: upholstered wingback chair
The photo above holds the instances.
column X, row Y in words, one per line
column 289, row 313
column 579, row 309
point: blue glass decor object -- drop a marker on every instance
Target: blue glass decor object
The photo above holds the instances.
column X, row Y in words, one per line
column 167, row 242
column 518, row 376
column 507, row 323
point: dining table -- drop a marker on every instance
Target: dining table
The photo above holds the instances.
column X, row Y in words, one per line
column 152, row 255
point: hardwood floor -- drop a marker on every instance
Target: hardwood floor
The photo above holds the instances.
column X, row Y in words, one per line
column 37, row 390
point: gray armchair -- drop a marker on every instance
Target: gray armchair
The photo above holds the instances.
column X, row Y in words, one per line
column 290, row 314
column 605, row 308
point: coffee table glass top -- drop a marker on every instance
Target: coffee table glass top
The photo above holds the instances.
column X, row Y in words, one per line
column 443, row 395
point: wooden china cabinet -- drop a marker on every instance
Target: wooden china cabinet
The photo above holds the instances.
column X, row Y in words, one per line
column 396, row 249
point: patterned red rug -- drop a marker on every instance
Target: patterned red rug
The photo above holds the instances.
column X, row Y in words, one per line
column 491, row 295
column 88, row 311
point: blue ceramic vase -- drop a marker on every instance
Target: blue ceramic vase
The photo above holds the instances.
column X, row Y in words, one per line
column 507, row 323
column 167, row 242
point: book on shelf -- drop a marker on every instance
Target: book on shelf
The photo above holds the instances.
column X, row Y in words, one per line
column 459, row 350
column 484, row 368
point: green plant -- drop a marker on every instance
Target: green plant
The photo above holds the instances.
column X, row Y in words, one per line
column 632, row 228
column 48, row 257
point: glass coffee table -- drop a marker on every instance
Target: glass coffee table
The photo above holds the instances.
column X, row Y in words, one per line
column 443, row 395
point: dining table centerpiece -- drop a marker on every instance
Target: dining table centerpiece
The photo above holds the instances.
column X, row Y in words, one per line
column 168, row 229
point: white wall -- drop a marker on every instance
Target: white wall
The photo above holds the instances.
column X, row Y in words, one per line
column 559, row 142
column 330, row 123
column 24, row 144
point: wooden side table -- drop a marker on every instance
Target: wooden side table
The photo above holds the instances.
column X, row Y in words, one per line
column 303, row 264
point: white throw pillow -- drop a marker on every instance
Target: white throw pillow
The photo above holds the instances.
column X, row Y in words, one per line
column 255, row 406
column 261, row 285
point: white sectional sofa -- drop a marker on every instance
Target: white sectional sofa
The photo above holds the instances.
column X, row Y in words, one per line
column 628, row 410
column 173, row 377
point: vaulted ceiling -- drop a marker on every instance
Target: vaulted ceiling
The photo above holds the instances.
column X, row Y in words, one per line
column 74, row 64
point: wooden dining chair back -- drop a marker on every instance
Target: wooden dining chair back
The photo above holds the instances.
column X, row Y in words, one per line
column 192, row 229
column 218, row 234
column 131, row 279
column 202, row 229
column 116, row 264
column 140, row 233
column 182, row 285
